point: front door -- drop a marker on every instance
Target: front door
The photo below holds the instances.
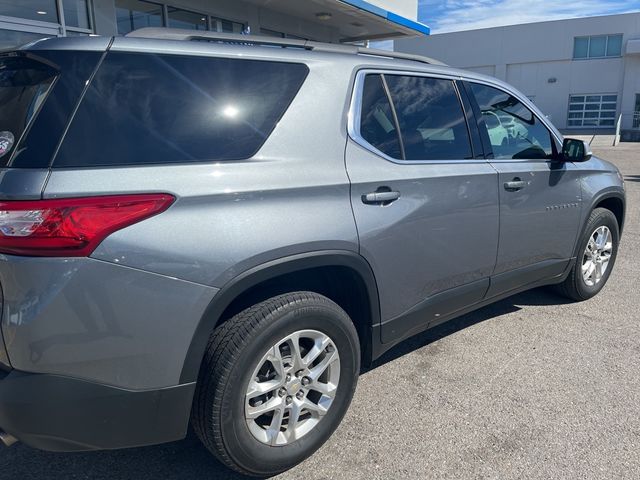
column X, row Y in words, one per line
column 425, row 208
column 540, row 197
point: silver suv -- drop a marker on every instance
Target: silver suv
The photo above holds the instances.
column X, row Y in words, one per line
column 222, row 230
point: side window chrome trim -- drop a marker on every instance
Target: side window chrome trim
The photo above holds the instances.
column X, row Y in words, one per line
column 355, row 109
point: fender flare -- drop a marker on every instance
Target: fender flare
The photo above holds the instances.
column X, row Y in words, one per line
column 610, row 192
column 256, row 275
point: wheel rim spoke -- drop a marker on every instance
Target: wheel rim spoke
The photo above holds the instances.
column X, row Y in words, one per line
column 316, row 372
column 260, row 388
column 326, row 389
column 318, row 347
column 269, row 406
column 273, row 432
column 294, row 344
column 315, row 409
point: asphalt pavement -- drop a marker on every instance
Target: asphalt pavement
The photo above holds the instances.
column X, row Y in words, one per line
column 531, row 387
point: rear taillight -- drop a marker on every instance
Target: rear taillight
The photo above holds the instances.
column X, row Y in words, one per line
column 71, row 227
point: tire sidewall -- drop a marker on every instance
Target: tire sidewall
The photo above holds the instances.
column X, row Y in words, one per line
column 239, row 442
column 602, row 218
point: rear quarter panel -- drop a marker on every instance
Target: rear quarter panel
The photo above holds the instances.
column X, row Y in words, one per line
column 291, row 197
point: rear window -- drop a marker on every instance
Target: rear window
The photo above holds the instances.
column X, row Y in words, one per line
column 24, row 84
column 158, row 109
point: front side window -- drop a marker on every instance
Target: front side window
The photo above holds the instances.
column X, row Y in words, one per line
column 514, row 131
column 158, row 109
column 428, row 116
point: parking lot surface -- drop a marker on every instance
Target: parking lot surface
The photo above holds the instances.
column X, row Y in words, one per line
column 530, row 387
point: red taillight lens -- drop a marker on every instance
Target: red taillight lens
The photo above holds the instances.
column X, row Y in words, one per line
column 71, row 227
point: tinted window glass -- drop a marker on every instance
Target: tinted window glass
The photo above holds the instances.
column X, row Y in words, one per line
column 377, row 125
column 431, row 119
column 598, row 46
column 24, row 84
column 41, row 10
column 614, row 45
column 514, row 131
column 179, row 18
column 134, row 14
column 38, row 145
column 581, row 47
column 76, row 13
column 154, row 109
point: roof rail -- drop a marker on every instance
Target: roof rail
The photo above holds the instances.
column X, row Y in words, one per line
column 239, row 39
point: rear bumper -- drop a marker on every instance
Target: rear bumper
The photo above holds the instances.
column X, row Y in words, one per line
column 56, row 413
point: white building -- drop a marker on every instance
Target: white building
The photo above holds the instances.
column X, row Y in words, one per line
column 584, row 73
column 22, row 21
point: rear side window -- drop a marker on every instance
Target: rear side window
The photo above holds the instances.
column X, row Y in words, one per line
column 414, row 118
column 377, row 125
column 24, row 85
column 158, row 109
column 431, row 118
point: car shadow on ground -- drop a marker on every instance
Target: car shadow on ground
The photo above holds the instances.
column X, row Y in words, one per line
column 539, row 296
column 188, row 459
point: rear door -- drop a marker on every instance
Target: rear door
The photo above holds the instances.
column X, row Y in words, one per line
column 540, row 197
column 426, row 208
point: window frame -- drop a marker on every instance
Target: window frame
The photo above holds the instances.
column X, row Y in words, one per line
column 556, row 140
column 355, row 114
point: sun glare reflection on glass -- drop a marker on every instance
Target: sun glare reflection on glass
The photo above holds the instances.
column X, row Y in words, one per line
column 230, row 111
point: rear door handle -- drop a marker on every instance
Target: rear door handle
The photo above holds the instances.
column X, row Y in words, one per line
column 380, row 197
column 515, row 185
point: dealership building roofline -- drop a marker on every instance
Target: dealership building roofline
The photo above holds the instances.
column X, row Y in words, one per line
column 334, row 21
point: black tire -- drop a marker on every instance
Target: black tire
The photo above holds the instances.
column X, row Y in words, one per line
column 575, row 287
column 232, row 355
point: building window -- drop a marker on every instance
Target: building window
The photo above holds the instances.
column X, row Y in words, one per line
column 592, row 110
column 34, row 19
column 76, row 14
column 189, row 20
column 134, row 14
column 40, row 10
column 274, row 33
column 226, row 26
column 597, row 46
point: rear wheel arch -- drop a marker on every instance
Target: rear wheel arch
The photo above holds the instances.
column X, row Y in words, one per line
column 342, row 276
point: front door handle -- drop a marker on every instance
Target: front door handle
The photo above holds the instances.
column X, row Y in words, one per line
column 382, row 196
column 514, row 185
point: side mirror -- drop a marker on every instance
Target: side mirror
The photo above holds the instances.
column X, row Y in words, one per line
column 575, row 150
